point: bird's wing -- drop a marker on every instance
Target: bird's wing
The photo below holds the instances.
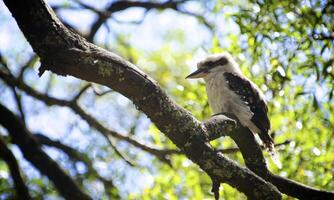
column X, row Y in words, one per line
column 250, row 94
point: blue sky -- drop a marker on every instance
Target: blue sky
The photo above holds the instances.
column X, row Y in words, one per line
column 61, row 123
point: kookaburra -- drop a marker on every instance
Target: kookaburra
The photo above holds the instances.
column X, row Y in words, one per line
column 230, row 91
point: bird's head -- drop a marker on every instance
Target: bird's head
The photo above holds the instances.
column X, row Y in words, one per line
column 214, row 64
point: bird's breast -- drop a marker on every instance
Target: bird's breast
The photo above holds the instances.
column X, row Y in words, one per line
column 219, row 95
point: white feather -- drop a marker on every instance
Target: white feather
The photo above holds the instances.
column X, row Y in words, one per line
column 222, row 99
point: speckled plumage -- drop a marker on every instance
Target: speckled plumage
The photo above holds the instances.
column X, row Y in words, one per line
column 230, row 91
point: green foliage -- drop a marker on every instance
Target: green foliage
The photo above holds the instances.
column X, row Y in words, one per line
column 283, row 46
column 291, row 65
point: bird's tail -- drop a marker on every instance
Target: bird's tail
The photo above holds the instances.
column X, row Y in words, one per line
column 269, row 146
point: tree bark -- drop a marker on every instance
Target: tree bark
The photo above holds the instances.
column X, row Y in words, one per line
column 66, row 53
column 255, row 161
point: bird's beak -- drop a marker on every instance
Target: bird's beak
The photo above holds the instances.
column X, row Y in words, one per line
column 200, row 73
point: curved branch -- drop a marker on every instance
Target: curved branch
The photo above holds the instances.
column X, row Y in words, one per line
column 256, row 162
column 16, row 95
column 33, row 152
column 48, row 100
column 117, row 6
column 66, row 53
column 75, row 155
column 9, row 158
column 122, row 5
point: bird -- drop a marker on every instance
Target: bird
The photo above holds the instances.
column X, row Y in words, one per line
column 229, row 91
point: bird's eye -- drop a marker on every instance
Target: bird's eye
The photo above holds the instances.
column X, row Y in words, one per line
column 222, row 61
column 209, row 64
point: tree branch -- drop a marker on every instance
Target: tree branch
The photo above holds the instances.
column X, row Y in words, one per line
column 81, row 92
column 122, row 5
column 18, row 100
column 17, row 97
column 252, row 154
column 66, row 53
column 32, row 152
column 9, row 158
column 48, row 100
column 75, row 155
column 235, row 149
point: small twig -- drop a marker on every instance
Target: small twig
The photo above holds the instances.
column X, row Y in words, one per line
column 76, row 156
column 88, row 7
column 28, row 64
column 236, row 149
column 17, row 97
column 137, row 22
column 12, row 81
column 215, row 187
column 199, row 17
column 19, row 104
column 119, row 153
column 117, row 6
column 4, row 63
column 81, row 92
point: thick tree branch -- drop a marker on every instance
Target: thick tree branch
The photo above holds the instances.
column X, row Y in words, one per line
column 33, row 152
column 9, row 158
column 255, row 161
column 67, row 53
